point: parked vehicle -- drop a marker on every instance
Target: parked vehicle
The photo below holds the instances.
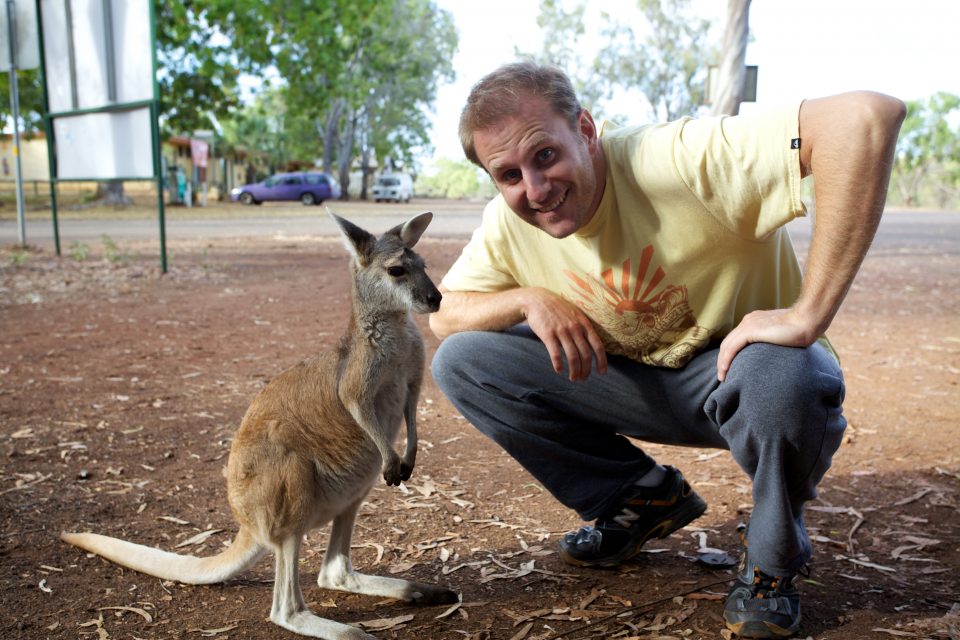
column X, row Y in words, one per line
column 309, row 187
column 393, row 186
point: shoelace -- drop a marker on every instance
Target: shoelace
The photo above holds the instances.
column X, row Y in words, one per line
column 763, row 584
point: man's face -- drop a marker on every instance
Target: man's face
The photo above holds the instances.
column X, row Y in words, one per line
column 549, row 175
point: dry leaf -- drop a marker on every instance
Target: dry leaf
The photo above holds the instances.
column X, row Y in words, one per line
column 384, row 624
column 200, row 537
column 449, row 611
column 213, row 632
column 140, row 612
column 520, row 635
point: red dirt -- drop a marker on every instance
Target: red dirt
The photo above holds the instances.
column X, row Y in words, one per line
column 120, row 390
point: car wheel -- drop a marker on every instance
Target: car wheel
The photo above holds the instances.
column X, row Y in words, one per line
column 246, row 198
column 308, row 199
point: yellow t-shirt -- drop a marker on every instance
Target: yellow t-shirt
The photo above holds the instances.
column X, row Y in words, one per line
column 688, row 237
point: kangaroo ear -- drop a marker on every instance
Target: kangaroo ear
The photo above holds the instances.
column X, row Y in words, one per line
column 357, row 241
column 411, row 230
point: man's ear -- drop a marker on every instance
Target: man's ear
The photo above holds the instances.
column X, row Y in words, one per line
column 588, row 128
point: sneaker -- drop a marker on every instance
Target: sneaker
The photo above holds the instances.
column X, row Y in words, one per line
column 760, row 605
column 647, row 513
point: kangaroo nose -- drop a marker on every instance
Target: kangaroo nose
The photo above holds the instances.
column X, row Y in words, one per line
column 434, row 299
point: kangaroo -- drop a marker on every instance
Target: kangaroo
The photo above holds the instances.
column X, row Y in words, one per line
column 313, row 440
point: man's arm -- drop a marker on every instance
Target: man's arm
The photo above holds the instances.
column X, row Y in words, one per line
column 563, row 328
column 847, row 143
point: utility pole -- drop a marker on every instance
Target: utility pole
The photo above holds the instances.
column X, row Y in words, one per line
column 15, row 109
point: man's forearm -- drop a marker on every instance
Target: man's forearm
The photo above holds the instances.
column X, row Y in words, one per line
column 852, row 139
column 474, row 311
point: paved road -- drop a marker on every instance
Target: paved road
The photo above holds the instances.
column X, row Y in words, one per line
column 930, row 232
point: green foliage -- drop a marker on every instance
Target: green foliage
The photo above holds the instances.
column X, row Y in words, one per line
column 666, row 61
column 927, row 161
column 111, row 251
column 79, row 251
column 352, row 79
column 455, row 179
column 29, row 100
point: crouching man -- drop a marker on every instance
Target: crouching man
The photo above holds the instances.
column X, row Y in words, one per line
column 638, row 282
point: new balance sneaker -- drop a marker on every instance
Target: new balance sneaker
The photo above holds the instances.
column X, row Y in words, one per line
column 648, row 512
column 760, row 605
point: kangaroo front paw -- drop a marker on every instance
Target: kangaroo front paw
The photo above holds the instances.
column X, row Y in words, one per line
column 406, row 470
column 393, row 473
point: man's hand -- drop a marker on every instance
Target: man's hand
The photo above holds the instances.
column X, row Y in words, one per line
column 562, row 327
column 780, row 326
column 566, row 331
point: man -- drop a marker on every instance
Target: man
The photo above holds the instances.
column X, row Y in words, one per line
column 655, row 257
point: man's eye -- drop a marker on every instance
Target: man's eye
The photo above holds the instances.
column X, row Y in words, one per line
column 396, row 272
column 510, row 176
column 545, row 155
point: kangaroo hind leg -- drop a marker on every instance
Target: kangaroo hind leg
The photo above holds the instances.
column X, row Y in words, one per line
column 289, row 609
column 337, row 571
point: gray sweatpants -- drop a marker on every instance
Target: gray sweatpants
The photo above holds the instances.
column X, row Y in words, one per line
column 778, row 412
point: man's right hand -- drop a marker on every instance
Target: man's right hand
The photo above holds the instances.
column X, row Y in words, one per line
column 565, row 331
column 563, row 328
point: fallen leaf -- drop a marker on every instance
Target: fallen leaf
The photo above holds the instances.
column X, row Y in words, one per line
column 520, row 635
column 200, row 537
column 384, row 624
column 140, row 612
column 213, row 632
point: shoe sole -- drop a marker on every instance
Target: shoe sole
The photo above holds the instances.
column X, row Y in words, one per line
column 689, row 511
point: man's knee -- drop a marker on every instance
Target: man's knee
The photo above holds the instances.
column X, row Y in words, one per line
column 782, row 392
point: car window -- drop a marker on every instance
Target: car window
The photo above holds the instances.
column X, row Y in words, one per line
column 313, row 178
column 269, row 182
column 291, row 180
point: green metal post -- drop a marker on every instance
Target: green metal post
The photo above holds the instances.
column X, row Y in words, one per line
column 155, row 125
column 48, row 130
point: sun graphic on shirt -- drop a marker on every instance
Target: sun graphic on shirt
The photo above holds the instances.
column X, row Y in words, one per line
column 638, row 315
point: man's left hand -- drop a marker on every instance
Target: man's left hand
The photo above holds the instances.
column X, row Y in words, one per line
column 779, row 326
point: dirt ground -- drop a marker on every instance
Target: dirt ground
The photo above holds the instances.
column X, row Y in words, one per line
column 120, row 390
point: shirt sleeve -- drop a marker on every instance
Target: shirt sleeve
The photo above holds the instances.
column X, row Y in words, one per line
column 484, row 265
column 743, row 170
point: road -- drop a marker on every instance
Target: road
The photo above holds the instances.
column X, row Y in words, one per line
column 932, row 232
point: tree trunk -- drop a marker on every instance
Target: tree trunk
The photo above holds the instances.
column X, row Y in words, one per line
column 345, row 152
column 732, row 71
column 111, row 193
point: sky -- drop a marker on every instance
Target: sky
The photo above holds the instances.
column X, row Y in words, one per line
column 803, row 49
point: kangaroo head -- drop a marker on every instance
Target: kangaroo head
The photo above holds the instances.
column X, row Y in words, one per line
column 388, row 275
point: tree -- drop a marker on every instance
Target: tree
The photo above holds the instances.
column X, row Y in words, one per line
column 28, row 98
column 732, row 72
column 393, row 61
column 455, row 179
column 928, row 149
column 663, row 56
column 563, row 25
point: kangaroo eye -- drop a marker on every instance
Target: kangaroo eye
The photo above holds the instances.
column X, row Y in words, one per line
column 396, row 272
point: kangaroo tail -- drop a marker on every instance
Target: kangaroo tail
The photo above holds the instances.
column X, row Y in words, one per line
column 241, row 554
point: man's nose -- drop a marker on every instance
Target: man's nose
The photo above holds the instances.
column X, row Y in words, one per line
column 537, row 187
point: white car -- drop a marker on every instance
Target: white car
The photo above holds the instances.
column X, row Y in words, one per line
column 393, row 186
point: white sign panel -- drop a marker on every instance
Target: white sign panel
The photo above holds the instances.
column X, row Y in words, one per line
column 98, row 52
column 104, row 145
column 25, row 38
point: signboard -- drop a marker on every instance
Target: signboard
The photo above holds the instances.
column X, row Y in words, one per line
column 199, row 152
column 98, row 56
column 25, row 35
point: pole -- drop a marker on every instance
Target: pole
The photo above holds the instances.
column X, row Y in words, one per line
column 15, row 108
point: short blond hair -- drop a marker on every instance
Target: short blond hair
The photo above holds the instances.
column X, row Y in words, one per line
column 501, row 93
